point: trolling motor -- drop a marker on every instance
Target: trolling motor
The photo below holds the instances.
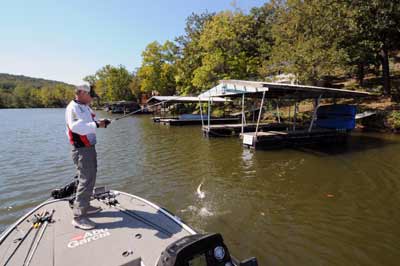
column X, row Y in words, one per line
column 200, row 250
column 66, row 191
column 69, row 190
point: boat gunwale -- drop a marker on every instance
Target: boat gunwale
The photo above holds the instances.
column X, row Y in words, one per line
column 11, row 228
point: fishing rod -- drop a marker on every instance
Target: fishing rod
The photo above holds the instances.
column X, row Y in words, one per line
column 147, row 107
column 139, row 110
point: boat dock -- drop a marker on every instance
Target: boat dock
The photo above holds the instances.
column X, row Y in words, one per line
column 165, row 118
column 281, row 139
column 229, row 130
column 185, row 122
column 329, row 122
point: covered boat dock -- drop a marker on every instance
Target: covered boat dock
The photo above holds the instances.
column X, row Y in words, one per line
column 328, row 123
column 187, row 119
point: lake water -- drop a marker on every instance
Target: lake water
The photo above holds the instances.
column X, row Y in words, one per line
column 287, row 207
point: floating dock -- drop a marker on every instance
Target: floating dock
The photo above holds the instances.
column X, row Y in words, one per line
column 281, row 139
column 229, row 130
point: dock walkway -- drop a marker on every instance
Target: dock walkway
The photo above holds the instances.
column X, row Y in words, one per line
column 185, row 122
column 278, row 139
column 229, row 130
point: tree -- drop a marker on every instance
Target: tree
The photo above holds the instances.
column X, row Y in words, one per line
column 264, row 17
column 35, row 100
column 307, row 35
column 112, row 83
column 134, row 86
column 91, row 79
column 377, row 23
column 190, row 54
column 6, row 98
column 22, row 96
column 158, row 69
column 48, row 97
column 229, row 49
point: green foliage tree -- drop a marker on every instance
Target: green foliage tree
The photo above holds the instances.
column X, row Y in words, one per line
column 6, row 98
column 377, row 26
column 26, row 92
column 307, row 36
column 22, row 96
column 264, row 17
column 229, row 49
column 134, row 86
column 112, row 83
column 158, row 69
column 190, row 53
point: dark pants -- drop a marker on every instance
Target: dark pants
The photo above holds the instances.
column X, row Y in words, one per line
column 85, row 160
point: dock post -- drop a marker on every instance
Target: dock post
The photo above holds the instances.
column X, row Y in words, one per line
column 315, row 112
column 243, row 118
column 295, row 116
column 277, row 111
column 253, row 111
column 201, row 115
column 259, row 112
column 209, row 113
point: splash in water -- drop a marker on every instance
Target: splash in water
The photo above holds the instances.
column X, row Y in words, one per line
column 200, row 194
column 205, row 212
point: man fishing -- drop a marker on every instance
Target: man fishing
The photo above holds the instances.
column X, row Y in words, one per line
column 81, row 130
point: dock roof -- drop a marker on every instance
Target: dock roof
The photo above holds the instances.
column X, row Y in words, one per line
column 184, row 99
column 232, row 88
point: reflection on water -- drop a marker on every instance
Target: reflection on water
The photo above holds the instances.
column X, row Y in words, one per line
column 313, row 206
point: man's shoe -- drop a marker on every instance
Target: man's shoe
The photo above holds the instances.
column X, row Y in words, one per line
column 93, row 210
column 83, row 223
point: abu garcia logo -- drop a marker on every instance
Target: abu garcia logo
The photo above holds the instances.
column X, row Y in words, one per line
column 87, row 237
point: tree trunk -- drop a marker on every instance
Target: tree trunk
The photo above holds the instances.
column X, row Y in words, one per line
column 385, row 71
column 360, row 74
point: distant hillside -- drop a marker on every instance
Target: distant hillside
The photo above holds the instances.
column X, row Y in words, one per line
column 9, row 81
column 17, row 91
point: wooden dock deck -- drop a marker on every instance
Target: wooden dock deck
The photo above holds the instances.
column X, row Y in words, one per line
column 186, row 122
column 229, row 130
column 279, row 139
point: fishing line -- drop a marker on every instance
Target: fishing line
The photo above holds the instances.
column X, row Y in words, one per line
column 147, row 107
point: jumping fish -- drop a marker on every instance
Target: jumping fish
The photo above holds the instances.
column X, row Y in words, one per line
column 200, row 194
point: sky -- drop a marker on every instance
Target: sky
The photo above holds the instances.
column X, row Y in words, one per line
column 67, row 40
